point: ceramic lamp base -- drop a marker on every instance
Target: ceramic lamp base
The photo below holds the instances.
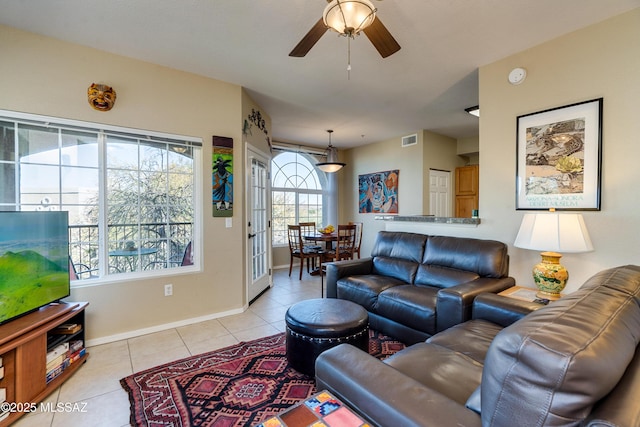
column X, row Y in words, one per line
column 550, row 276
column 548, row 296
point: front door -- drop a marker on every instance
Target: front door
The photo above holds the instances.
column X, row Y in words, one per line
column 258, row 226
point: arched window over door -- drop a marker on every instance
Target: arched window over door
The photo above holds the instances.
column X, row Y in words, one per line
column 297, row 193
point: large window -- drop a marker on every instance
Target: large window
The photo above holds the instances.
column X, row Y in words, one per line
column 296, row 193
column 130, row 195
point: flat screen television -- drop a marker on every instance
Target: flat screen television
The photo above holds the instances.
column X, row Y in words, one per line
column 34, row 261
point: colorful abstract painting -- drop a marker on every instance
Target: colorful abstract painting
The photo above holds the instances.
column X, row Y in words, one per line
column 378, row 192
column 222, row 177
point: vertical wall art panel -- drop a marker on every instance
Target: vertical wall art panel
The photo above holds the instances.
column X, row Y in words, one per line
column 222, row 176
column 378, row 192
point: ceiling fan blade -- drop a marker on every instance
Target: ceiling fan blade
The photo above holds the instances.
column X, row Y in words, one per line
column 309, row 40
column 381, row 38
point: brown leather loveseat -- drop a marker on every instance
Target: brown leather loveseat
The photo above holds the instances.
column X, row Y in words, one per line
column 574, row 362
column 415, row 285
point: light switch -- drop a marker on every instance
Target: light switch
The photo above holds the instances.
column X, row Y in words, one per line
column 228, row 222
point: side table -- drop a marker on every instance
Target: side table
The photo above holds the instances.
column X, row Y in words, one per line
column 525, row 294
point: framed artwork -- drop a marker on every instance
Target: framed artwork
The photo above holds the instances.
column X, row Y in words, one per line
column 378, row 192
column 559, row 158
column 222, row 176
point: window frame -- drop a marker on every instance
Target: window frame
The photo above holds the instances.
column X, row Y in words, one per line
column 296, row 191
column 103, row 132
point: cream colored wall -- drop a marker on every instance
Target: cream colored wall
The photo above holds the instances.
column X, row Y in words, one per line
column 377, row 157
column 468, row 146
column 45, row 76
column 440, row 152
column 599, row 61
column 432, row 151
column 258, row 138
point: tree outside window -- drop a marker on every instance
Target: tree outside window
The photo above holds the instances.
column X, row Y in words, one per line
column 134, row 192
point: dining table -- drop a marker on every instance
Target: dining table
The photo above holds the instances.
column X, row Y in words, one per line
column 327, row 238
column 129, row 256
column 133, row 252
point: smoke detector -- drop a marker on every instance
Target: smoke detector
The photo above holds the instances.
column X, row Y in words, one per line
column 517, row 76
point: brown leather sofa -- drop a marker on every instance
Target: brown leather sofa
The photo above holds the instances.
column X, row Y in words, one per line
column 415, row 285
column 572, row 363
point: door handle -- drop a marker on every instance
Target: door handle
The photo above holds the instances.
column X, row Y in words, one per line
column 251, row 236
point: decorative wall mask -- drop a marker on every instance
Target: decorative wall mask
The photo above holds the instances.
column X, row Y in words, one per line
column 101, row 97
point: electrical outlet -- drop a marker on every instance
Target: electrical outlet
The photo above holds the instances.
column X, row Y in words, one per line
column 168, row 290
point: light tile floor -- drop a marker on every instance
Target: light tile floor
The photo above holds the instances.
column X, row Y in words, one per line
column 94, row 396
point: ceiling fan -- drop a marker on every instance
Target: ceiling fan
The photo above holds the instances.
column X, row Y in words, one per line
column 349, row 18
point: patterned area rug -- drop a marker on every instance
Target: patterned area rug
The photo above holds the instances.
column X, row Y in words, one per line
column 241, row 385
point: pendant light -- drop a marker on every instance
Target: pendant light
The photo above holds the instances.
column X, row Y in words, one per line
column 332, row 164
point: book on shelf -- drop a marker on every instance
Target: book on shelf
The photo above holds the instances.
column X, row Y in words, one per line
column 77, row 355
column 56, row 362
column 62, row 362
column 75, row 345
column 4, row 411
column 57, row 370
column 67, row 329
column 57, row 351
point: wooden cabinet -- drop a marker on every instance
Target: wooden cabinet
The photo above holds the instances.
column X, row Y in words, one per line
column 24, row 343
column 466, row 190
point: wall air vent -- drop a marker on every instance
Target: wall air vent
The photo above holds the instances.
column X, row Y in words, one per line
column 409, row 140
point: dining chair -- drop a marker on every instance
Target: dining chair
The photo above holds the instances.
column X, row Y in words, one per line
column 345, row 247
column 297, row 248
column 308, row 229
column 345, row 242
column 185, row 259
column 78, row 270
column 359, row 226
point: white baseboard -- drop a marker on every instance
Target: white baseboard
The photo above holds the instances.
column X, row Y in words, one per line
column 159, row 328
column 165, row 326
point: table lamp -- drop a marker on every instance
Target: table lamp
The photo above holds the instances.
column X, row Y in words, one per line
column 552, row 232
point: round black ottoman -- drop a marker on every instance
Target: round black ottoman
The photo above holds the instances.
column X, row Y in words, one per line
column 316, row 325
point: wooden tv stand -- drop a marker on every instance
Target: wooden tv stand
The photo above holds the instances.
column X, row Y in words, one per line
column 23, row 348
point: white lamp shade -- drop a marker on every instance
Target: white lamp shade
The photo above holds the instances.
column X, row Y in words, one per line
column 552, row 231
column 330, row 167
column 332, row 164
column 349, row 17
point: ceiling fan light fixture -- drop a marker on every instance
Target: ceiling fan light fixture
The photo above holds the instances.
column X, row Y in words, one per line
column 349, row 17
column 332, row 164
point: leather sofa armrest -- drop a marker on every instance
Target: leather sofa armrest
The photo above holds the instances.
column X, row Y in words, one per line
column 454, row 304
column 339, row 269
column 620, row 407
column 501, row 310
column 384, row 395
